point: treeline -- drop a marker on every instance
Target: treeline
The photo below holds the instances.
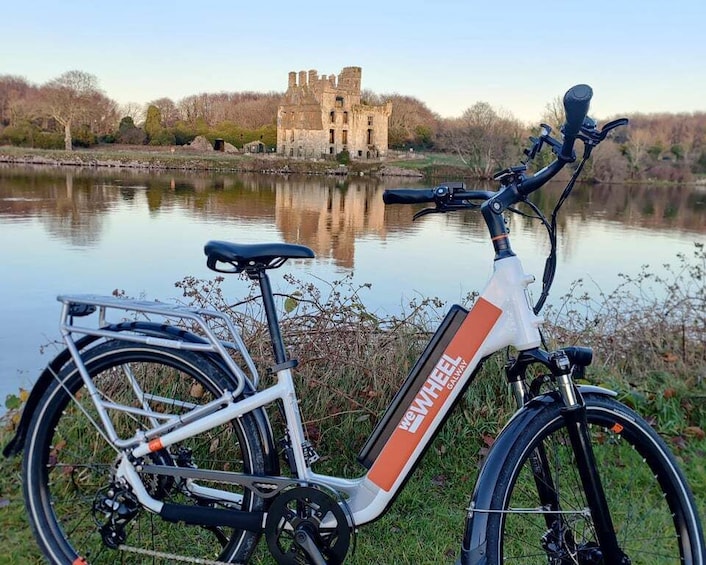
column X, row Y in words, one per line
column 71, row 111
column 663, row 147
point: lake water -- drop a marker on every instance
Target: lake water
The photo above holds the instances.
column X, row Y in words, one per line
column 94, row 231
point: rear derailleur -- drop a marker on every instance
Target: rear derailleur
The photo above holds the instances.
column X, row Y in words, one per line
column 113, row 509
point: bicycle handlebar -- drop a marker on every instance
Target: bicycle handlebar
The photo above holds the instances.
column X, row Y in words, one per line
column 576, row 102
column 408, row 196
column 423, row 196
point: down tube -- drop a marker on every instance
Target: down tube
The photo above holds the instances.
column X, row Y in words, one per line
column 437, row 394
column 501, row 317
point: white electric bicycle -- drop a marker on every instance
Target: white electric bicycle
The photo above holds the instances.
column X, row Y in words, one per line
column 149, row 441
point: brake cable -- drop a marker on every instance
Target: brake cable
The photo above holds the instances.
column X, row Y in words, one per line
column 550, row 263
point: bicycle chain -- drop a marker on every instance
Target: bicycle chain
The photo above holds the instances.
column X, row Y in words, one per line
column 169, row 556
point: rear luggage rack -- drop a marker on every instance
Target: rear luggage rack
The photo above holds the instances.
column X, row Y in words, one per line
column 204, row 323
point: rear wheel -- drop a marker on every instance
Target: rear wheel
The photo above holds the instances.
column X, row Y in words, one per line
column 651, row 506
column 74, row 508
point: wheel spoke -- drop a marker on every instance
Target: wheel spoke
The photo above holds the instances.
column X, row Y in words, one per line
column 75, row 505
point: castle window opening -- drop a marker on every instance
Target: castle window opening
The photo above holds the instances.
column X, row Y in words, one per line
column 370, row 137
column 333, row 117
column 370, row 120
column 345, row 117
column 332, row 136
column 339, row 101
column 345, row 137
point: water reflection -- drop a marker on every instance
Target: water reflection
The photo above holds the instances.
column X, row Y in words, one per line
column 327, row 214
column 90, row 230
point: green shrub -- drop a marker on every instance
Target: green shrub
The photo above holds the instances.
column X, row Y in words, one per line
column 344, row 157
column 48, row 140
column 21, row 135
column 83, row 137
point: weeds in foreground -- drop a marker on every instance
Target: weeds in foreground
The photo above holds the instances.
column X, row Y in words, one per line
column 649, row 337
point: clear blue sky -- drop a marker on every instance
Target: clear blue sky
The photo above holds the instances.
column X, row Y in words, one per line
column 639, row 56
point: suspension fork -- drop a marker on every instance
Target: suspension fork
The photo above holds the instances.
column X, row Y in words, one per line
column 576, row 423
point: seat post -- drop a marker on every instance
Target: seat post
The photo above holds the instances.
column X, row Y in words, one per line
column 271, row 314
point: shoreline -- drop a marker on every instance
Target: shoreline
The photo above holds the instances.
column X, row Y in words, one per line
column 146, row 158
column 190, row 160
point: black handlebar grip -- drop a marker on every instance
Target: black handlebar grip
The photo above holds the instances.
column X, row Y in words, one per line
column 576, row 102
column 408, row 196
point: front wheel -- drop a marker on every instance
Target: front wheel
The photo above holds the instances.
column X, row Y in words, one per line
column 652, row 508
column 77, row 512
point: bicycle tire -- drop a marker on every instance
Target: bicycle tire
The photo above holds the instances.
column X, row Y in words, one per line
column 67, row 463
column 652, row 507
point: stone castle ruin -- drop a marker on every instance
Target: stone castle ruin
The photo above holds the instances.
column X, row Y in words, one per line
column 323, row 115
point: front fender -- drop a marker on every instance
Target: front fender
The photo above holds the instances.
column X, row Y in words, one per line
column 473, row 551
column 16, row 444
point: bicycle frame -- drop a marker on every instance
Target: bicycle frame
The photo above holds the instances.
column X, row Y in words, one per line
column 502, row 316
column 329, row 508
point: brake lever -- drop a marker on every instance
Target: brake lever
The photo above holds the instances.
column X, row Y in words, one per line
column 426, row 211
column 443, row 208
column 591, row 135
column 614, row 124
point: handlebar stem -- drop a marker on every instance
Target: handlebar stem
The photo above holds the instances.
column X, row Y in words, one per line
column 510, row 194
column 492, row 211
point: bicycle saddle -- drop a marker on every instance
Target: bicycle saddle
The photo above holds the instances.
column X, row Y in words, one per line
column 252, row 256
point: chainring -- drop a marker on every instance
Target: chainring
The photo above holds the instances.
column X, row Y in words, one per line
column 320, row 514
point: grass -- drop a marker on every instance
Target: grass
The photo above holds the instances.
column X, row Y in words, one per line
column 650, row 347
column 432, row 164
column 428, row 159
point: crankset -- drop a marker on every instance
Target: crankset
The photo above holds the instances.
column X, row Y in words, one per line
column 307, row 525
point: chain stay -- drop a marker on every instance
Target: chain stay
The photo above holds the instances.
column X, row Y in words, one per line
column 169, row 556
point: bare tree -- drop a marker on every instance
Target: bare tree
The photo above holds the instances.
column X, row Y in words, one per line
column 68, row 99
column 367, row 96
column 133, row 110
column 636, row 147
column 195, row 108
column 15, row 96
column 102, row 116
column 483, row 139
column 554, row 114
column 411, row 121
column 607, row 163
column 249, row 110
column 168, row 111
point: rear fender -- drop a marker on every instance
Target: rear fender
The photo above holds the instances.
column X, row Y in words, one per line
column 473, row 551
column 16, row 444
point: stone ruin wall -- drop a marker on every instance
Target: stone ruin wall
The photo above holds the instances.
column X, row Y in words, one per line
column 323, row 115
